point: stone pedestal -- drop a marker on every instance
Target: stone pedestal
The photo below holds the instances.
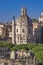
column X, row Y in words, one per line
column 12, row 55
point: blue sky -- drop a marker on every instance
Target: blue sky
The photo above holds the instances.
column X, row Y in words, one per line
column 10, row 8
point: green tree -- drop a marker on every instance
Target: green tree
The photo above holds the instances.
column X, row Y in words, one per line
column 37, row 49
column 39, row 56
column 31, row 45
column 19, row 47
column 34, row 20
column 7, row 44
column 1, row 44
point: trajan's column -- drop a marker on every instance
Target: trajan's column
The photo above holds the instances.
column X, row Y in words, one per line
column 13, row 30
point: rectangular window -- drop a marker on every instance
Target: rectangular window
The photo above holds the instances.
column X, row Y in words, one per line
column 23, row 30
column 17, row 30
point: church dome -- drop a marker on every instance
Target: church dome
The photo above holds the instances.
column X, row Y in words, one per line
column 24, row 17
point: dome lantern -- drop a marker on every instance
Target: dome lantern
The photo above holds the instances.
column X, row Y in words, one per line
column 23, row 11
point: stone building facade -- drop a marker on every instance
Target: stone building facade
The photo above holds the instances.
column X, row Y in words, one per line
column 2, row 31
column 41, row 26
column 36, row 33
column 5, row 32
column 22, row 30
column 26, row 31
column 38, row 30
